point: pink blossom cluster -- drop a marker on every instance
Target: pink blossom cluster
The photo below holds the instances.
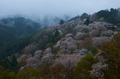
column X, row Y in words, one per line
column 78, row 28
column 32, row 62
column 84, row 52
column 100, row 66
column 48, row 50
column 94, row 33
column 97, row 71
column 29, row 48
column 98, row 25
column 98, row 41
column 86, row 28
column 37, row 54
column 68, row 35
column 68, row 43
column 83, row 28
column 57, row 44
column 68, row 61
column 107, row 33
column 81, row 36
column 100, row 56
column 49, row 57
column 24, row 57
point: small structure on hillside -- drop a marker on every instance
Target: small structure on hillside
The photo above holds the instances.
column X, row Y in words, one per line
column 110, row 26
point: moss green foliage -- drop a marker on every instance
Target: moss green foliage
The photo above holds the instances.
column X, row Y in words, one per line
column 82, row 70
column 19, row 65
column 29, row 73
column 6, row 74
column 113, row 59
column 45, row 72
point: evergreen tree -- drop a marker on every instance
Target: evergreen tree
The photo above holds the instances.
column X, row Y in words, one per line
column 87, row 21
column 61, row 22
column 84, row 15
column 14, row 61
column 56, row 33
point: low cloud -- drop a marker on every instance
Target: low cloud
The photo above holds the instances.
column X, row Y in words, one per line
column 54, row 7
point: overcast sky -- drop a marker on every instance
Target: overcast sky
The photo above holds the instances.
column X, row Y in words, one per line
column 54, row 7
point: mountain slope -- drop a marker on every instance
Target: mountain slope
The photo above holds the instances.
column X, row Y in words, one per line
column 63, row 45
column 14, row 28
column 71, row 50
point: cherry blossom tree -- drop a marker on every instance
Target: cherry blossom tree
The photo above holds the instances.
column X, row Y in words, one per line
column 99, row 67
column 78, row 28
column 37, row 54
column 81, row 36
column 68, row 61
column 86, row 28
column 107, row 33
column 98, row 41
column 94, row 33
column 30, row 48
column 68, row 35
column 24, row 57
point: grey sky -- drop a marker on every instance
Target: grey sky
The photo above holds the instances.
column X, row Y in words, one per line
column 54, row 7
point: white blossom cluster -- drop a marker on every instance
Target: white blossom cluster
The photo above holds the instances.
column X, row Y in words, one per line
column 99, row 67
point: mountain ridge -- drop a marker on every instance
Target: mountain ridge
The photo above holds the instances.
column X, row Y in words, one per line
column 84, row 47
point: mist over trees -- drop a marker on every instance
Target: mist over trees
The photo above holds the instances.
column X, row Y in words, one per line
column 80, row 48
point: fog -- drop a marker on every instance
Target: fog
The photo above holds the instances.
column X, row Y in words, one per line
column 40, row 8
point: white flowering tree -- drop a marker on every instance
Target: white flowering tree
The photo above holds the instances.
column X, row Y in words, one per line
column 81, row 36
column 107, row 33
column 94, row 33
column 98, row 41
column 68, row 61
column 99, row 67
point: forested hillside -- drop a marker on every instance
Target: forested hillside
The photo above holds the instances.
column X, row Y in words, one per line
column 81, row 48
column 15, row 34
column 17, row 27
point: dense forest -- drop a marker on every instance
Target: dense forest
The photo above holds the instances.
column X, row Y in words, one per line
column 81, row 48
column 16, row 28
column 112, row 16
